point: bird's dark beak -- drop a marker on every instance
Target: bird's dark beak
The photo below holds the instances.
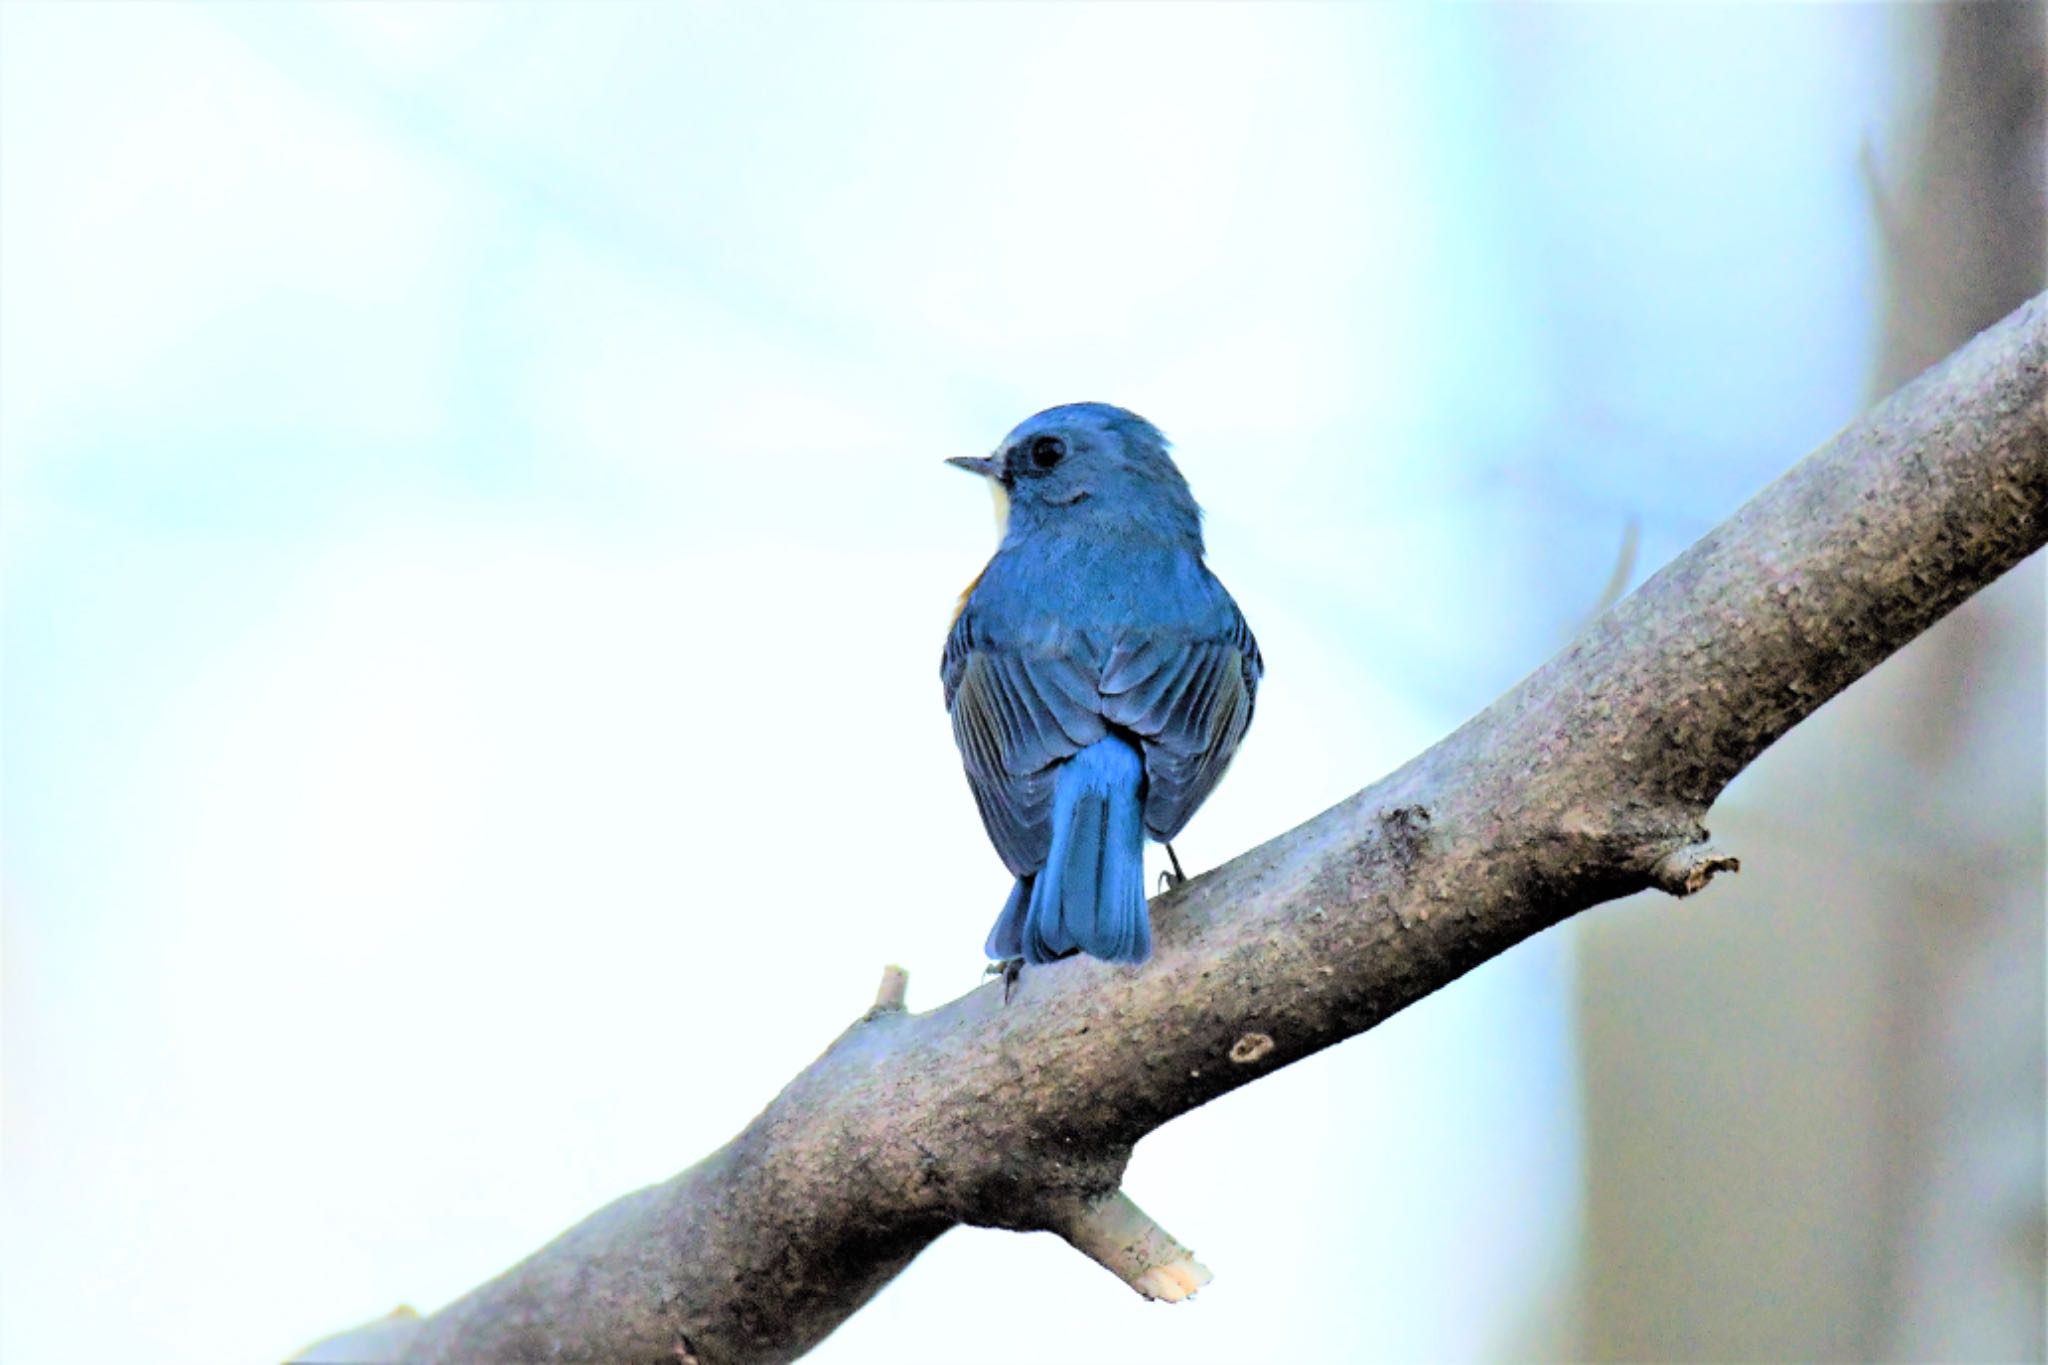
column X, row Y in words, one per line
column 975, row 464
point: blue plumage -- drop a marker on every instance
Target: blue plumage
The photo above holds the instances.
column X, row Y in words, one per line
column 1090, row 895
column 1098, row 676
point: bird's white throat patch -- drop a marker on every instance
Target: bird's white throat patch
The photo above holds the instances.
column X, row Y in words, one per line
column 1002, row 499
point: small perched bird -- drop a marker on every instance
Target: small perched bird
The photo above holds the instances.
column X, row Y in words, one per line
column 1098, row 676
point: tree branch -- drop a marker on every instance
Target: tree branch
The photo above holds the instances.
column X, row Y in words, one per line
column 1120, row 1237
column 1587, row 781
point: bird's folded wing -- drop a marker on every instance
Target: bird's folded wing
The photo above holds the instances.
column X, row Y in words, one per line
column 1015, row 715
column 1189, row 698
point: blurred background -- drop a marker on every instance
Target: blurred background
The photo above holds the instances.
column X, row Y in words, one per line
column 476, row 554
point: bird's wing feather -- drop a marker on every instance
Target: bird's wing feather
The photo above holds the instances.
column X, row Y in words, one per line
column 1189, row 698
column 1016, row 714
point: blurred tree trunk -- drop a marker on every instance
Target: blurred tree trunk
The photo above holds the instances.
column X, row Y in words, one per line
column 1877, row 1191
column 1962, row 1254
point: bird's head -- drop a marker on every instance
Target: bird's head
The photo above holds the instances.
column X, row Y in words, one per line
column 1087, row 465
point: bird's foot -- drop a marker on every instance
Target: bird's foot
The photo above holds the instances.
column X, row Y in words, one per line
column 1010, row 968
column 1169, row 881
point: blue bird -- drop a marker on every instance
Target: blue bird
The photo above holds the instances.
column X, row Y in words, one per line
column 1098, row 676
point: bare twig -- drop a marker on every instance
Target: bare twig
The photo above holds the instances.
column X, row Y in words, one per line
column 1122, row 1238
column 895, row 984
column 1624, row 566
column 1686, row 871
column 1588, row 781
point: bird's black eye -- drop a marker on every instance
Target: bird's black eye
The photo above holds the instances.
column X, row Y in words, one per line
column 1047, row 451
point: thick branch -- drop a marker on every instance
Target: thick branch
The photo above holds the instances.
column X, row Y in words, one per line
column 1586, row 782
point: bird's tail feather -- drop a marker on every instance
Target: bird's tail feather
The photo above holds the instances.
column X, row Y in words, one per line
column 1090, row 895
column 1006, row 940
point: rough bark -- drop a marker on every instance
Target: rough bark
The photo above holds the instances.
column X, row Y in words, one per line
column 1589, row 780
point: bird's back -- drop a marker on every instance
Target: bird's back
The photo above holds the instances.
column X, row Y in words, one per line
column 1066, row 638
column 1054, row 591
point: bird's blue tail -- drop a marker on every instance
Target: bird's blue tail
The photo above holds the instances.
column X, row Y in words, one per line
column 1090, row 895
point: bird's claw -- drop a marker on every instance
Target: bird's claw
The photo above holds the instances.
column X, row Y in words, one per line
column 1168, row 881
column 1009, row 968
